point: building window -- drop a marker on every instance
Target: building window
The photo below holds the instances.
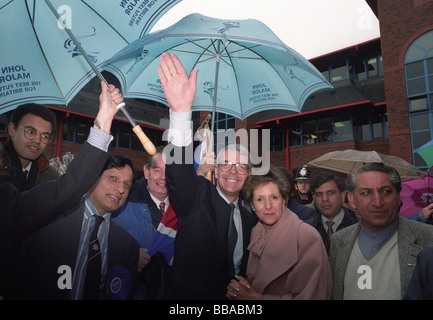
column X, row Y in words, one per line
column 371, row 126
column 339, row 70
column 368, row 68
column 76, row 129
column 224, row 130
column 418, row 66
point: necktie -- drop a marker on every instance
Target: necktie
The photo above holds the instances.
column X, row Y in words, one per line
column 232, row 239
column 330, row 231
column 93, row 272
column 26, row 174
column 162, row 207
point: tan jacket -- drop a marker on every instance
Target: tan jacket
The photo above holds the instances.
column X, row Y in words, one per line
column 290, row 261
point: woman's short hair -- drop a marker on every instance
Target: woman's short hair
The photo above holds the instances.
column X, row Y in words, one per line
column 275, row 175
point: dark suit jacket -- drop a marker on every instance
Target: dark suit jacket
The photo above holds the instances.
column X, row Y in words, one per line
column 22, row 213
column 420, row 286
column 349, row 218
column 200, row 265
column 56, row 245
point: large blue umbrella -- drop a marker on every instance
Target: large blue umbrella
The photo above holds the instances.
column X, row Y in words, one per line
column 244, row 67
column 39, row 62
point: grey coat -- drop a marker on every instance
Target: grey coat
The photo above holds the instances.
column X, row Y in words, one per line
column 412, row 238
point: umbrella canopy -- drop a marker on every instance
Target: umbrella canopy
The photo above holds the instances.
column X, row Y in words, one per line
column 38, row 60
column 426, row 152
column 348, row 161
column 244, row 67
column 415, row 195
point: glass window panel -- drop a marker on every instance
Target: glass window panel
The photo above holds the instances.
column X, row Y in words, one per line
column 420, row 122
column 221, row 116
column 364, row 128
column 342, row 128
column 418, row 139
column 326, row 74
column 68, row 129
column 295, row 135
column 231, row 123
column 425, row 41
column 430, row 81
column 309, row 132
column 324, row 130
column 359, row 71
column 81, row 134
column 430, row 66
column 372, row 67
column 339, row 71
column 221, row 125
column 377, row 123
column 415, row 69
column 414, row 53
column 277, row 138
column 418, row 104
column 416, row 86
column 124, row 136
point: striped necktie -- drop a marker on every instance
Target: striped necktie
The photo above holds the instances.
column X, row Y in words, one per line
column 94, row 263
column 162, row 207
column 330, row 231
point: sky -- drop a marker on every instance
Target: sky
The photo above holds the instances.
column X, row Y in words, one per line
column 311, row 27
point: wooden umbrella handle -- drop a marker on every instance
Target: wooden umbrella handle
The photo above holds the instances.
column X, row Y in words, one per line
column 147, row 144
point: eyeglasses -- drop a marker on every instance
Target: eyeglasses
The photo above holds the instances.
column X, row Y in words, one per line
column 30, row 133
column 240, row 168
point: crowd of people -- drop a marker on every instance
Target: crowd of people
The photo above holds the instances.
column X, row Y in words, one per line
column 314, row 236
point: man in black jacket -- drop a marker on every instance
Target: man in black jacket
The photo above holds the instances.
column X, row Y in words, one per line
column 23, row 213
column 329, row 192
column 202, row 265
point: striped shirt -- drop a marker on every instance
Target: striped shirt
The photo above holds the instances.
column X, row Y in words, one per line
column 81, row 262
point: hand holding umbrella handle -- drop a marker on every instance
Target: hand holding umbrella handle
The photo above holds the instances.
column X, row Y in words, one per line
column 147, row 144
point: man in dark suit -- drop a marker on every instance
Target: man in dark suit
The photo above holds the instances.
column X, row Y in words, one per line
column 23, row 213
column 67, row 243
column 202, row 266
column 329, row 192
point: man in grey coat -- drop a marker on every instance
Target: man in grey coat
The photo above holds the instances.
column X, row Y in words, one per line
column 375, row 258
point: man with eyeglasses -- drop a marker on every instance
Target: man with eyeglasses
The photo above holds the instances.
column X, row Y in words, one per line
column 210, row 217
column 329, row 195
column 22, row 159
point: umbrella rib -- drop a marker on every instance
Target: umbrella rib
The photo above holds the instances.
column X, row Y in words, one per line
column 42, row 50
column 106, row 21
column 231, row 64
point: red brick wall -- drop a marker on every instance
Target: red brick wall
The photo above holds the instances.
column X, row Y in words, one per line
column 401, row 22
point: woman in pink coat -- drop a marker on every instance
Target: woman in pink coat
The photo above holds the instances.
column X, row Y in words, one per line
column 287, row 257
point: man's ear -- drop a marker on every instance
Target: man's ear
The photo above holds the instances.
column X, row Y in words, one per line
column 11, row 129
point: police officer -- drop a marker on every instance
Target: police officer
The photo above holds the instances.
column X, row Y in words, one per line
column 302, row 185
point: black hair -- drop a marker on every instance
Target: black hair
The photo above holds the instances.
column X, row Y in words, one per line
column 35, row 109
column 319, row 177
column 119, row 161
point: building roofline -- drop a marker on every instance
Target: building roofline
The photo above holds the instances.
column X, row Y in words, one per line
column 321, row 110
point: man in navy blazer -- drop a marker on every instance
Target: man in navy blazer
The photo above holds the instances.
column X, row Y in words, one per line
column 202, row 267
